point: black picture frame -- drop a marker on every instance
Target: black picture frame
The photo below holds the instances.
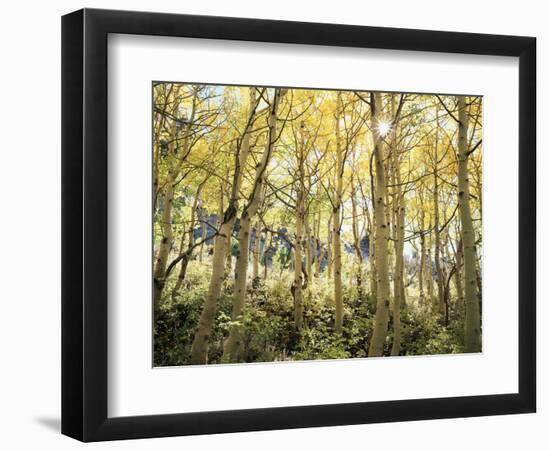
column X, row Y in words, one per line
column 84, row 224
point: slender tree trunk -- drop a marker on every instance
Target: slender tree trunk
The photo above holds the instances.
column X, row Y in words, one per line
column 302, row 226
column 319, row 250
column 337, row 271
column 228, row 267
column 203, row 218
column 440, row 306
column 309, row 253
column 356, row 239
column 472, row 331
column 183, row 263
column 297, row 287
column 381, row 244
column 318, row 247
column 372, row 232
column 336, row 213
column 399, row 210
column 256, row 255
column 159, row 280
column 199, row 349
column 422, row 267
column 233, row 345
column 429, row 282
column 267, row 246
column 437, row 256
column 181, row 277
column 447, row 276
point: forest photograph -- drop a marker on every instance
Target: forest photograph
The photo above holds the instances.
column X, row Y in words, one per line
column 294, row 224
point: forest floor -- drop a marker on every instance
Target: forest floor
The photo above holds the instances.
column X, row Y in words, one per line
column 269, row 332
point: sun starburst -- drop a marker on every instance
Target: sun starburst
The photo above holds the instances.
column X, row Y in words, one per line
column 383, row 128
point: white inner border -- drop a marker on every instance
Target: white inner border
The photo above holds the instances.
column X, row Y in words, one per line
column 135, row 388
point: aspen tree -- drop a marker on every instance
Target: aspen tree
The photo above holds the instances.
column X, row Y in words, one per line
column 399, row 211
column 440, row 306
column 356, row 237
column 256, row 254
column 300, row 216
column 381, row 318
column 336, row 224
column 472, row 332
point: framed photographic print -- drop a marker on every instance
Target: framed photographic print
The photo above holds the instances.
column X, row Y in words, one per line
column 273, row 224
